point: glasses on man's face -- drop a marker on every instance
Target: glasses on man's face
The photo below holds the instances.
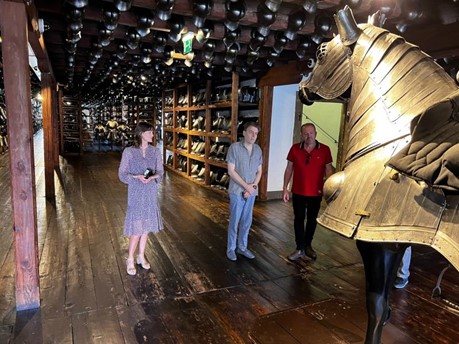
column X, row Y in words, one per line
column 308, row 157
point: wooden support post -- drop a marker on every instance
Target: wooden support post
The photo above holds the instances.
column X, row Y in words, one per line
column 61, row 121
column 55, row 119
column 234, row 106
column 266, row 106
column 13, row 25
column 47, row 108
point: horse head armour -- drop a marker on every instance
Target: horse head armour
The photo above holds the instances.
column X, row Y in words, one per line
column 400, row 181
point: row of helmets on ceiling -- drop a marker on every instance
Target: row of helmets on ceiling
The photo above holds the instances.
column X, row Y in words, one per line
column 235, row 11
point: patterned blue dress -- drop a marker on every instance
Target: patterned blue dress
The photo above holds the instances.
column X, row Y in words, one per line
column 143, row 214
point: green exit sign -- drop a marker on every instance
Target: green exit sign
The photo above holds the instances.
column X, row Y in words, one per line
column 187, row 42
column 187, row 45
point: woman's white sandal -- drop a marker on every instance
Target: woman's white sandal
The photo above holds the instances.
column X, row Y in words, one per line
column 143, row 262
column 130, row 267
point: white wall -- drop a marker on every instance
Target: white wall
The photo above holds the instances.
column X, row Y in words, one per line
column 281, row 139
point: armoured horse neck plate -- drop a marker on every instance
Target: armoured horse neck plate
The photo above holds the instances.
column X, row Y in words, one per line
column 333, row 80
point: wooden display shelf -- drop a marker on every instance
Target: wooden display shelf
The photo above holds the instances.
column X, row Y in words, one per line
column 196, row 157
column 178, row 151
column 181, row 151
column 248, row 105
column 219, row 134
column 197, row 108
column 197, row 132
column 208, row 110
column 179, row 171
column 218, row 163
column 218, row 105
column 218, row 190
column 194, row 132
column 197, row 181
column 70, row 125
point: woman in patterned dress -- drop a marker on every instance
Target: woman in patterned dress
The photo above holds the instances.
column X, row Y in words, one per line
column 141, row 169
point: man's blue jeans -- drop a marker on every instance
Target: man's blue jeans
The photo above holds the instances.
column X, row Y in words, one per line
column 404, row 268
column 241, row 211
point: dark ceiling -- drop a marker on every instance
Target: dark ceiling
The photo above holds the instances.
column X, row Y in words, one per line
column 111, row 48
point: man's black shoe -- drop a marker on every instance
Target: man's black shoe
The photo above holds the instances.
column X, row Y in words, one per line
column 310, row 252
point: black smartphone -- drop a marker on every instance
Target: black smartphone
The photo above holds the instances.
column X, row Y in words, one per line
column 148, row 173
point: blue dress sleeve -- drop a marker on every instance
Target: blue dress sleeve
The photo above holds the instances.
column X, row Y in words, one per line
column 159, row 165
column 123, row 170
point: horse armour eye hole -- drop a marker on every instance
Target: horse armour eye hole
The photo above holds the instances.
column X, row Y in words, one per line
column 321, row 52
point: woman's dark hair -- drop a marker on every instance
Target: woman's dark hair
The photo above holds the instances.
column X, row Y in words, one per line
column 140, row 129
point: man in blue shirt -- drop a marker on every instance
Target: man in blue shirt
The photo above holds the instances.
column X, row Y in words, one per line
column 244, row 168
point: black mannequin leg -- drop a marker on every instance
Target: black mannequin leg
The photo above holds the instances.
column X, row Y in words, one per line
column 380, row 261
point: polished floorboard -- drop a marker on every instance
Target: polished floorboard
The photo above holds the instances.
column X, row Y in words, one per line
column 193, row 294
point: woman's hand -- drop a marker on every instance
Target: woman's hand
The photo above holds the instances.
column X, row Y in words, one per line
column 146, row 180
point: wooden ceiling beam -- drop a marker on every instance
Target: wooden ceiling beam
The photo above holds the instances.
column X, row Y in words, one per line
column 436, row 40
column 287, row 74
column 37, row 42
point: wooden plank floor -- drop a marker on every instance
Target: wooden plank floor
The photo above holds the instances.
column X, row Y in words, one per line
column 193, row 294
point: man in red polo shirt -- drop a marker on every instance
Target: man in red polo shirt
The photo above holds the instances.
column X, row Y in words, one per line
column 310, row 163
